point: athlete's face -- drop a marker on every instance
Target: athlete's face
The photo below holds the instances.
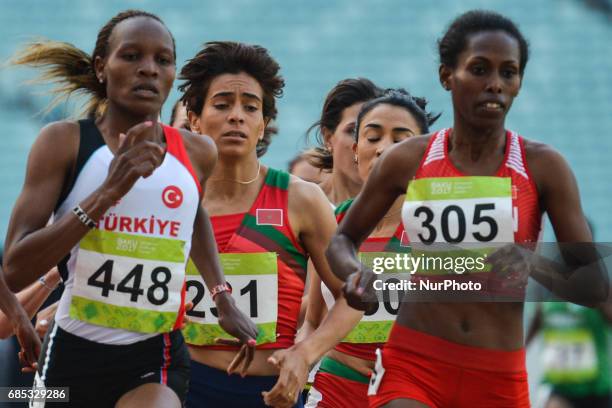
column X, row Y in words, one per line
column 139, row 68
column 486, row 79
column 232, row 114
column 379, row 129
column 340, row 142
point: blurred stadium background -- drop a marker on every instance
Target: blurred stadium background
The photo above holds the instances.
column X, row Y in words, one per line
column 566, row 98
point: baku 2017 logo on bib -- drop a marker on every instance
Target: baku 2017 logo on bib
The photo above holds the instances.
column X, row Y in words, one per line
column 172, row 197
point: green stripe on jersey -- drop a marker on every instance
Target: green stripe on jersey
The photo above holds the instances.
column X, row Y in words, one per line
column 278, row 237
column 277, row 178
column 331, row 366
column 344, row 206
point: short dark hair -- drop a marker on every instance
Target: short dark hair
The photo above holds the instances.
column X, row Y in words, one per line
column 345, row 94
column 454, row 40
column 227, row 57
column 401, row 98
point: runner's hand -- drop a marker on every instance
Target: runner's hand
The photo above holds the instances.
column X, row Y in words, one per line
column 511, row 266
column 359, row 290
column 293, row 375
column 186, row 320
column 44, row 319
column 135, row 157
column 236, row 323
column 30, row 344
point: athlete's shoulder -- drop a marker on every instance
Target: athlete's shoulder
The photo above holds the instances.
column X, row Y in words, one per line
column 541, row 154
column 306, row 194
column 59, row 141
column 201, row 149
column 61, row 131
column 303, row 188
column 545, row 163
column 410, row 151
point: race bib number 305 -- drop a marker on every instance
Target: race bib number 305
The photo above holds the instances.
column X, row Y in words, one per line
column 459, row 209
column 128, row 281
column 253, row 278
column 475, row 211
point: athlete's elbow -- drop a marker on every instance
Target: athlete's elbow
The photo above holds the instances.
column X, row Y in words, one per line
column 11, row 269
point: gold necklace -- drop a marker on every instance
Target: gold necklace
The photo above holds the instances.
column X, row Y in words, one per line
column 242, row 182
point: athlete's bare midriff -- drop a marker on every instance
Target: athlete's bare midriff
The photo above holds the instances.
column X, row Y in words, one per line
column 496, row 326
column 221, row 359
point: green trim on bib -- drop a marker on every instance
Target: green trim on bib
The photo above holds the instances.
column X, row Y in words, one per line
column 369, row 332
column 257, row 263
column 205, row 334
column 134, row 246
column 121, row 317
column 457, row 188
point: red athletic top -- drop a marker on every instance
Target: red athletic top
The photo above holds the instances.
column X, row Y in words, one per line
column 527, row 216
column 224, row 227
column 265, row 228
column 396, row 243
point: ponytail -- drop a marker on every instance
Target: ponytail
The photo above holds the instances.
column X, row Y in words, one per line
column 66, row 66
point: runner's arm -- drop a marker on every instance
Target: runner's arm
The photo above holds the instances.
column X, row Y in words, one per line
column 583, row 278
column 32, row 247
column 31, row 298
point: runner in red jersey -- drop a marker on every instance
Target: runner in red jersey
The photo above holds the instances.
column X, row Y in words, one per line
column 342, row 379
column 469, row 354
column 335, row 136
column 266, row 224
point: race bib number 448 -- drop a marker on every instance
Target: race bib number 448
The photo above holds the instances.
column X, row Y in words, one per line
column 128, row 282
column 253, row 278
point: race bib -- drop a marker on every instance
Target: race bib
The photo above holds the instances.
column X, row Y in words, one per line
column 472, row 214
column 569, row 356
column 253, row 278
column 128, row 282
column 375, row 326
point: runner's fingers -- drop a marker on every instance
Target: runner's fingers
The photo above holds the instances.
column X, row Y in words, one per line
column 248, row 359
column 233, row 366
column 275, row 396
column 122, row 143
column 137, row 133
column 228, row 342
